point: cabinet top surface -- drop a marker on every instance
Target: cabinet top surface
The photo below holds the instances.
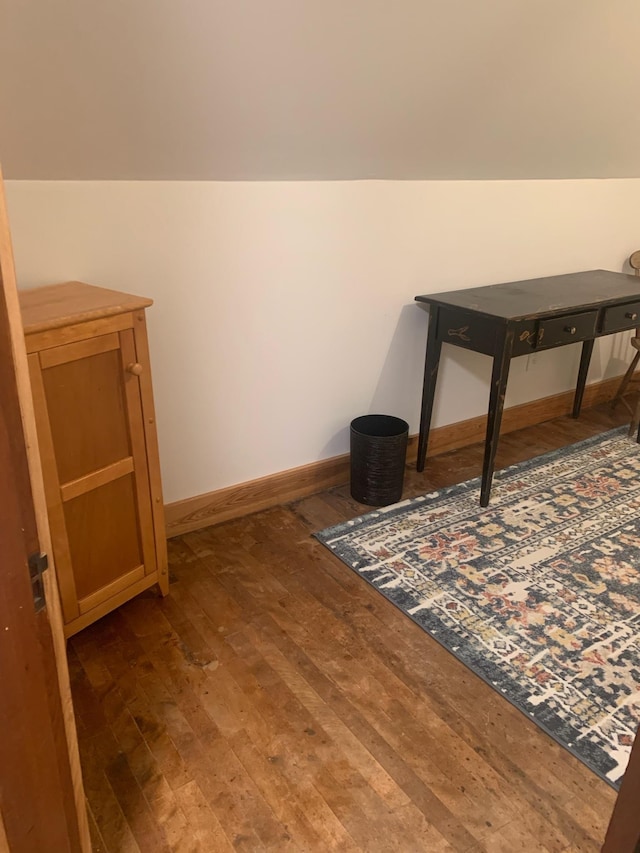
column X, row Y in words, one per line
column 72, row 302
column 539, row 296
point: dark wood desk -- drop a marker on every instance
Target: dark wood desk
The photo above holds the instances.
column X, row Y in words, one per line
column 519, row 318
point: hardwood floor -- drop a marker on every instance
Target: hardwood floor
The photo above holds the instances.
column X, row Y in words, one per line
column 274, row 701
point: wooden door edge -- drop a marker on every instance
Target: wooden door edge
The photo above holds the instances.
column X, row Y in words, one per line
column 623, row 832
column 4, row 843
column 40, row 507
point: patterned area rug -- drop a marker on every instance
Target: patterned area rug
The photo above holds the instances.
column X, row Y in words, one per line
column 538, row 594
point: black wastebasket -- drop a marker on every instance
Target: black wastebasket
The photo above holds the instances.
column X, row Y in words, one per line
column 378, row 454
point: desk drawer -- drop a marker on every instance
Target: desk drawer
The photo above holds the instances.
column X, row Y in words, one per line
column 564, row 330
column 617, row 318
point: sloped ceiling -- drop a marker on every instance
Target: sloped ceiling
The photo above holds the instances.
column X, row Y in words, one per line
column 319, row 89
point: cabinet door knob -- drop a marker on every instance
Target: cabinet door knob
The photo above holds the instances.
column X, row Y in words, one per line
column 570, row 329
column 631, row 316
column 135, row 368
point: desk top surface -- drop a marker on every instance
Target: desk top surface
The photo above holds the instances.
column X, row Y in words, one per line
column 535, row 297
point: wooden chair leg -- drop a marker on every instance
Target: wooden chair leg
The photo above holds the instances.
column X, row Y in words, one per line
column 634, row 426
column 626, row 379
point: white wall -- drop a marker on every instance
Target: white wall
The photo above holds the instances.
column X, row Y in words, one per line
column 283, row 310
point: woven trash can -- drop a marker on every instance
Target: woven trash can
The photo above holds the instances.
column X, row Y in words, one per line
column 378, row 454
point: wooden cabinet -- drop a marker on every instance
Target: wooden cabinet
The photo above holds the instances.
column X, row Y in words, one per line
column 91, row 380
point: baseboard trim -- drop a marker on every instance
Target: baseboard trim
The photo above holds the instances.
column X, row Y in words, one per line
column 244, row 498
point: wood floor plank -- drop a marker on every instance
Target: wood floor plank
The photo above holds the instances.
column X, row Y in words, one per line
column 329, row 739
column 110, row 819
column 275, row 701
column 474, row 814
column 210, row 762
column 464, row 678
column 497, row 818
column 97, row 842
column 333, row 728
column 376, row 622
column 204, row 832
column 174, row 822
column 278, row 793
column 148, row 833
column 513, row 838
column 320, row 747
column 283, row 733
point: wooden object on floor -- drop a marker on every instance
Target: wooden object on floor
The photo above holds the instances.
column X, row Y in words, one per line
column 91, row 379
column 275, row 701
column 623, row 833
column 42, row 804
column 244, row 498
column 634, row 426
column 634, row 263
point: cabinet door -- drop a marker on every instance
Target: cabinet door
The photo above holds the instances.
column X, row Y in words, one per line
column 94, row 459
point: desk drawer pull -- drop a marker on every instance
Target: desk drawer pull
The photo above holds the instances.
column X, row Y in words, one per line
column 571, row 329
column 631, row 315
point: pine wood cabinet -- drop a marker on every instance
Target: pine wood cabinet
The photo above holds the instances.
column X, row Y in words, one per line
column 91, row 380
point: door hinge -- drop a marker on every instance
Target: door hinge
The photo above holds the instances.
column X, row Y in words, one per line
column 38, row 564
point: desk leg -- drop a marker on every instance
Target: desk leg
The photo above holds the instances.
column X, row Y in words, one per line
column 499, row 376
column 585, row 358
column 432, row 362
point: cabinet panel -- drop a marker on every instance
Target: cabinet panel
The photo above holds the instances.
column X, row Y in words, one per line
column 103, row 534
column 86, row 408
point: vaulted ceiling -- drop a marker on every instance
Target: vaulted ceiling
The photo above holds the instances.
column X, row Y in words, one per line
column 319, row 89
